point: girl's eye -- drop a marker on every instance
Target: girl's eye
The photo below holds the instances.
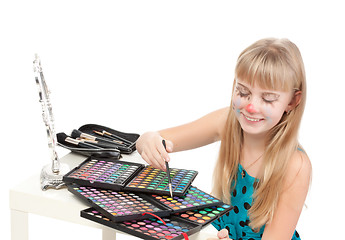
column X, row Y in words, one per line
column 269, row 100
column 242, row 92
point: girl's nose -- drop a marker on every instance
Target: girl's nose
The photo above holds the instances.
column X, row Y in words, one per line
column 250, row 108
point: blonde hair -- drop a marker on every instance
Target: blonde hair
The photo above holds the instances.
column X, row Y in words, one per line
column 270, row 64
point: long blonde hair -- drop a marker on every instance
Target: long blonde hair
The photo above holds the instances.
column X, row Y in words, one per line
column 270, row 64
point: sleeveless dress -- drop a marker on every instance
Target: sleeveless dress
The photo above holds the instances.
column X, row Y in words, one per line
column 236, row 222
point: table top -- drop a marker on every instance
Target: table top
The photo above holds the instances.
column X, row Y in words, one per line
column 63, row 205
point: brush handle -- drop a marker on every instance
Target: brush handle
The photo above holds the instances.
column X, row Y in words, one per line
column 115, row 137
column 166, row 163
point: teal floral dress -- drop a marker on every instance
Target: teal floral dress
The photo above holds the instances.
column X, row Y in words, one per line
column 237, row 220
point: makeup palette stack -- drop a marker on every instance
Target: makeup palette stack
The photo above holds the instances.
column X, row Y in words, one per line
column 135, row 198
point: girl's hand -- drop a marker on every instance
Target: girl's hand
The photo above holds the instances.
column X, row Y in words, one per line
column 222, row 234
column 150, row 147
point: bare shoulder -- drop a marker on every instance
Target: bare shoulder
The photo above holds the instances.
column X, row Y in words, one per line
column 299, row 171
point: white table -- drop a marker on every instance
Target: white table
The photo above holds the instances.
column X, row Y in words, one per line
column 28, row 197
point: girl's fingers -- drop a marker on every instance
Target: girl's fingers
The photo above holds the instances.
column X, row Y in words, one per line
column 223, row 234
column 163, row 151
column 158, row 158
column 170, row 146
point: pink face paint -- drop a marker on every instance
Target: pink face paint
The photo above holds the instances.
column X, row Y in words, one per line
column 250, row 108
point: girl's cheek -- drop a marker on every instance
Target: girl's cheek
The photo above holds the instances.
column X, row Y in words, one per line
column 237, row 104
column 268, row 113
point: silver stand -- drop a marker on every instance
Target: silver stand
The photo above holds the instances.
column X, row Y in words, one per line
column 51, row 175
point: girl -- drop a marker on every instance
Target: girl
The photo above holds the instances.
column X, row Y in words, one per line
column 262, row 171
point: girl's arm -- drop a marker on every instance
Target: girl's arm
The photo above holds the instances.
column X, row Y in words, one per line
column 195, row 134
column 291, row 201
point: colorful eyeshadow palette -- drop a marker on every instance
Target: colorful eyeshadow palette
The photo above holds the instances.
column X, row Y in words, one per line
column 109, row 174
column 193, row 199
column 120, row 175
column 151, row 228
column 206, row 215
column 119, row 206
column 153, row 180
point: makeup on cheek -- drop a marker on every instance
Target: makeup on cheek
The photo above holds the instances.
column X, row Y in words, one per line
column 237, row 104
column 268, row 114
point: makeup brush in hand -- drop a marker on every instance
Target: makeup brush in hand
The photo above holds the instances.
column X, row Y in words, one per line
column 168, row 170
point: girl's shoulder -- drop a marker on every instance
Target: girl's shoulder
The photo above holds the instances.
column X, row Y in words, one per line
column 299, row 169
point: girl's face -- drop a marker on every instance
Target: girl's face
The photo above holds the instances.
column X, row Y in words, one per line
column 257, row 109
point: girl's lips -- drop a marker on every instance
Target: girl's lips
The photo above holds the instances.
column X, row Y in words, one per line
column 252, row 119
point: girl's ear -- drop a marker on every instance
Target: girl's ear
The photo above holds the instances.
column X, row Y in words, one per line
column 296, row 99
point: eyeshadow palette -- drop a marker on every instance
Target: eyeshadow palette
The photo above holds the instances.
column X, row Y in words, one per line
column 207, row 215
column 153, row 180
column 119, row 206
column 110, row 174
column 193, row 199
column 121, row 175
column 174, row 228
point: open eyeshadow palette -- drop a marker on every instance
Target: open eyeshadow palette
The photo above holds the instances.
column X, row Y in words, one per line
column 121, row 175
column 174, row 228
column 193, row 199
column 206, row 215
column 120, row 206
column 154, row 180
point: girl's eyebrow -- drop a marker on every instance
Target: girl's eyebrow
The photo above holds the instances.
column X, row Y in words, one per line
column 243, row 86
column 270, row 94
column 264, row 93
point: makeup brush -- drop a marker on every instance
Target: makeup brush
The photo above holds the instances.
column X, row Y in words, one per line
column 78, row 133
column 107, row 143
column 168, row 170
column 97, row 143
column 116, row 137
column 108, row 137
column 62, row 137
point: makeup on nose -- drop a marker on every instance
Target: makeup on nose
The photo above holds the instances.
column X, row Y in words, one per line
column 250, row 108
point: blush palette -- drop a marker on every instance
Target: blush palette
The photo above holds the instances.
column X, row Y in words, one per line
column 119, row 206
column 153, row 180
column 193, row 199
column 152, row 229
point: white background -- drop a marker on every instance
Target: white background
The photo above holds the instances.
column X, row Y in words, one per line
column 146, row 65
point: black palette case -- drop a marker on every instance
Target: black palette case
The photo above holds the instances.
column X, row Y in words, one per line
column 106, row 150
